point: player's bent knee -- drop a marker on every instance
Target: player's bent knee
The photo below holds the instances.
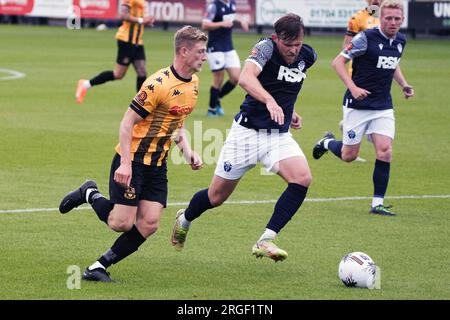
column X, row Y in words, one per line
column 234, row 80
column 349, row 157
column 217, row 199
column 304, row 180
column 385, row 155
column 120, row 225
column 141, row 73
column 148, row 228
column 119, row 75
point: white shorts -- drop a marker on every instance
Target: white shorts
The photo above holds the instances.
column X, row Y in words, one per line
column 223, row 60
column 356, row 123
column 244, row 148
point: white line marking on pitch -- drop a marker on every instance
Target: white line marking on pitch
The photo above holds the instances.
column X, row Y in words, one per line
column 444, row 196
column 13, row 74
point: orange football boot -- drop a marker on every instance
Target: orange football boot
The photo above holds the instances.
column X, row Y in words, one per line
column 81, row 91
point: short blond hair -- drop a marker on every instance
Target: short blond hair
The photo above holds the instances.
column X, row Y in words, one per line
column 187, row 37
column 392, row 4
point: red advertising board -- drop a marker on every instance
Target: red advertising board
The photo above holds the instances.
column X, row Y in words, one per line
column 97, row 9
column 246, row 9
column 181, row 11
column 16, row 7
column 188, row 11
column 177, row 11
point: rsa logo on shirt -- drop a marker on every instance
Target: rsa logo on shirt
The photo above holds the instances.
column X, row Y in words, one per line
column 290, row 74
column 387, row 62
column 178, row 111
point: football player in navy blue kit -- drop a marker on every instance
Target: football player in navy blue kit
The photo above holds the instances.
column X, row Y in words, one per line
column 219, row 22
column 272, row 76
column 367, row 104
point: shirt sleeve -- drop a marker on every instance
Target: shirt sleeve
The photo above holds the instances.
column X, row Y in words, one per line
column 357, row 47
column 353, row 26
column 313, row 58
column 261, row 53
column 147, row 99
column 210, row 12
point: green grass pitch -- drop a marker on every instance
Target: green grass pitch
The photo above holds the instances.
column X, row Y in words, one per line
column 49, row 145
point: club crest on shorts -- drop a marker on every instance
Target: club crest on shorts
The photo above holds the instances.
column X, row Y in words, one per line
column 130, row 193
column 351, row 134
column 227, row 166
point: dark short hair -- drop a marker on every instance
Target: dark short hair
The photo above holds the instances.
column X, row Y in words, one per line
column 289, row 27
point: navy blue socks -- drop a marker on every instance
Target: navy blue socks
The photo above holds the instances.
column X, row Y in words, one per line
column 380, row 178
column 335, row 147
column 199, row 204
column 286, row 206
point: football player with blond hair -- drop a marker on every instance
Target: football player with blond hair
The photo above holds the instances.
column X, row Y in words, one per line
column 367, row 104
column 138, row 176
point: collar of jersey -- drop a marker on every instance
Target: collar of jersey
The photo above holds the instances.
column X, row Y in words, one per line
column 175, row 73
column 387, row 38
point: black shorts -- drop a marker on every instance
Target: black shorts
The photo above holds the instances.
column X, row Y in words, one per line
column 147, row 183
column 128, row 53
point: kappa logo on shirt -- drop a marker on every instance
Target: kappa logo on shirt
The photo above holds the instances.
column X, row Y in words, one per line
column 151, row 87
column 176, row 92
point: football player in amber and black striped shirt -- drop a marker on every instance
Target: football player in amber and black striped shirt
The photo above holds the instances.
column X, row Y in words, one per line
column 130, row 48
column 138, row 176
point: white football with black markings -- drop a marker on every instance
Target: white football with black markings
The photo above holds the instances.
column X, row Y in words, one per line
column 357, row 269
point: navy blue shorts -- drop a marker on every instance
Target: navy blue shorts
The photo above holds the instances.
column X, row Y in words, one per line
column 127, row 53
column 147, row 183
